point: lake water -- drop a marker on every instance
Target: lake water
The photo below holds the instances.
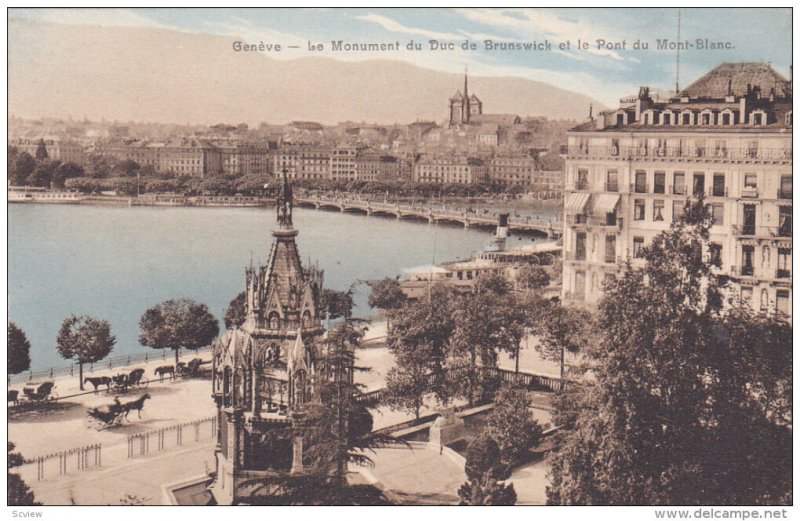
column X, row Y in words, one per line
column 115, row 262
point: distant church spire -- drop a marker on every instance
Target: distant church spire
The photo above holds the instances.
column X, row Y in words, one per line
column 466, row 110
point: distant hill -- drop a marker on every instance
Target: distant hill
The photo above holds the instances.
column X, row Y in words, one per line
column 146, row 74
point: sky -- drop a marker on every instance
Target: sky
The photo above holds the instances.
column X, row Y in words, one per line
column 603, row 73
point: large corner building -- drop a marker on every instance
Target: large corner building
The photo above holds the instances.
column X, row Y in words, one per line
column 629, row 171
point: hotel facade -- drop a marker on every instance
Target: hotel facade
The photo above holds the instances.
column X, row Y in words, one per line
column 629, row 172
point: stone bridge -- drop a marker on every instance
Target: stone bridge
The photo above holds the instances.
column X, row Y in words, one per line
column 432, row 215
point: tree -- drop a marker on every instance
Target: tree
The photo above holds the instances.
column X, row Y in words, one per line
column 337, row 304
column 533, row 276
column 19, row 494
column 126, row 168
column 387, row 295
column 408, row 382
column 84, row 339
column 419, row 341
column 485, row 472
column 178, row 324
column 98, row 167
column 487, row 321
column 23, row 168
column 66, row 171
column 562, row 330
column 42, row 175
column 19, row 350
column 83, row 184
column 511, row 424
column 11, row 163
column 691, row 398
column 235, row 312
column 41, row 151
column 252, row 184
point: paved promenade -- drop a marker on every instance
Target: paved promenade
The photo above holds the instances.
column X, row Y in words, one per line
column 61, row 426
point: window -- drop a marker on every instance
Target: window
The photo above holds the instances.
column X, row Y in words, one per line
column 749, row 221
column 698, row 188
column 758, row 118
column 715, row 254
column 785, row 221
column 752, row 149
column 580, row 246
column 641, row 182
column 705, row 118
column 611, row 248
column 751, row 180
column 717, row 214
column 700, row 147
column 582, row 182
column 580, row 285
column 638, row 246
column 658, row 210
column 726, row 118
column 747, row 260
column 677, row 210
column 782, row 301
column 786, row 187
column 686, row 118
column 784, row 263
column 638, row 210
column 659, row 182
column 788, row 119
column 718, row 190
column 678, row 183
column 612, row 181
column 666, row 118
column 720, row 149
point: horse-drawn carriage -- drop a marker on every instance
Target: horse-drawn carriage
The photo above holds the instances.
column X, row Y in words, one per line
column 134, row 380
column 192, row 369
column 40, row 391
column 34, row 393
column 114, row 413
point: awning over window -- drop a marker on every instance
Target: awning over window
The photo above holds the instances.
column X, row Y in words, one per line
column 605, row 204
column 576, row 203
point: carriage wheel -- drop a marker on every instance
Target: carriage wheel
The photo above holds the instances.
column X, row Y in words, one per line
column 143, row 383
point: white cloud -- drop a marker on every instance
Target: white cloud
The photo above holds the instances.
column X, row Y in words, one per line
column 101, row 17
column 397, row 27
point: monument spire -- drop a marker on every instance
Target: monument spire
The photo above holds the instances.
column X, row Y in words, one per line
column 284, row 203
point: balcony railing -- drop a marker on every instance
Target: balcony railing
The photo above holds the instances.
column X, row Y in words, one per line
column 739, row 154
column 784, row 194
column 582, row 220
column 783, row 274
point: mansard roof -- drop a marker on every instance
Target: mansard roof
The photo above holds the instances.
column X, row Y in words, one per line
column 714, row 84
